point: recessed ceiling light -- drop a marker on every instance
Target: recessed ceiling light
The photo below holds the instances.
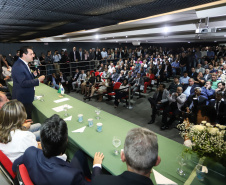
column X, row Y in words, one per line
column 166, row 29
column 224, row 35
column 126, row 36
column 189, row 42
column 116, row 41
column 97, row 36
column 68, row 40
column 215, row 41
column 219, row 29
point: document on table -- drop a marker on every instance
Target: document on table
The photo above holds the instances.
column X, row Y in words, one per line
column 61, row 100
column 160, row 179
column 68, row 118
column 61, row 108
column 80, row 130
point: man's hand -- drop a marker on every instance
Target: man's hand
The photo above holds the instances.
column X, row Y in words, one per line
column 176, row 94
column 98, row 158
column 41, row 78
column 27, row 124
column 35, row 73
column 39, row 145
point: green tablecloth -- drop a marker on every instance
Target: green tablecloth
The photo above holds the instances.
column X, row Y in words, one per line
column 91, row 141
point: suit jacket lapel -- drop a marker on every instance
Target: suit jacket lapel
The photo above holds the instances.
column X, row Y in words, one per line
column 27, row 69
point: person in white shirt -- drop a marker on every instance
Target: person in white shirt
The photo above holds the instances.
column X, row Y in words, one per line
column 13, row 139
column 104, row 54
column 56, row 61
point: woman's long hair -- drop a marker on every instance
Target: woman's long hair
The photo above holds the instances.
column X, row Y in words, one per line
column 12, row 116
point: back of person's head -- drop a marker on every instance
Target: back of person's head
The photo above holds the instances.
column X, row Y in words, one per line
column 54, row 136
column 24, row 50
column 12, row 116
column 208, row 112
column 141, row 149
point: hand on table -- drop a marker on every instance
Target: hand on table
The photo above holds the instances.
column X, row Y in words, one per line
column 98, row 158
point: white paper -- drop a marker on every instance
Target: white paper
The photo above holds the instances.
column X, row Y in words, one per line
column 38, row 97
column 61, row 100
column 61, row 108
column 160, row 179
column 80, row 130
column 68, row 118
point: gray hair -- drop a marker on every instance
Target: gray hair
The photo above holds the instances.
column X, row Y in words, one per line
column 198, row 88
column 141, row 149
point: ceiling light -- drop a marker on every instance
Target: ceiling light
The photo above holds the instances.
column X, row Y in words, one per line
column 68, row 40
column 97, row 36
column 224, row 35
column 116, row 41
column 126, row 36
column 166, row 29
column 215, row 41
column 189, row 42
column 219, row 29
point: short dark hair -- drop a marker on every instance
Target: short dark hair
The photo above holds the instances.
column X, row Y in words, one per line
column 177, row 76
column 163, row 85
column 210, row 112
column 221, row 83
column 54, row 136
column 23, row 50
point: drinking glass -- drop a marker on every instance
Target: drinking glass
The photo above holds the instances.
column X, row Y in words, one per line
column 66, row 109
column 116, row 142
column 182, row 162
column 42, row 97
column 97, row 111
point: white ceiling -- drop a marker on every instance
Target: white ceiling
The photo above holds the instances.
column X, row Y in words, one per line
column 177, row 26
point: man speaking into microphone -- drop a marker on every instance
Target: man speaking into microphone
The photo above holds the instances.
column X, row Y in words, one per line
column 24, row 81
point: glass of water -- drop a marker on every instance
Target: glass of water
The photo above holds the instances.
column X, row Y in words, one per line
column 116, row 142
column 66, row 109
column 97, row 111
column 182, row 162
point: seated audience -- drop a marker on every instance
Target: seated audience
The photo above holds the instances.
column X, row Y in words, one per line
column 74, row 79
column 84, row 83
column 81, row 78
column 140, row 154
column 49, row 165
column 220, row 87
column 114, row 76
column 200, row 80
column 138, row 83
column 176, row 101
column 96, row 85
column 173, row 86
column 148, row 79
column 159, row 100
column 189, row 89
column 184, row 79
column 105, row 87
column 122, row 92
column 193, row 74
column 207, row 75
column 214, row 81
column 14, row 140
column 200, row 69
column 64, row 81
column 89, row 84
column 207, row 91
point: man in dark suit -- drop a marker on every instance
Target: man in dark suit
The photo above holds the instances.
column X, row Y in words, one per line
column 114, row 76
column 160, row 74
column 159, row 100
column 74, row 55
column 49, row 165
column 193, row 74
column 23, row 79
column 220, row 107
column 140, row 154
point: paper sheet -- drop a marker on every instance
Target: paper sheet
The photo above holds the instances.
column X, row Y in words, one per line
column 160, row 179
column 61, row 100
column 61, row 108
column 68, row 118
column 80, row 130
column 38, row 97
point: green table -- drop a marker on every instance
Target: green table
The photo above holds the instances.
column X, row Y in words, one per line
column 92, row 141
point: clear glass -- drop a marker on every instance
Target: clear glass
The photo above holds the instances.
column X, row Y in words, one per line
column 182, row 162
column 66, row 109
column 97, row 111
column 42, row 97
column 116, row 142
column 199, row 173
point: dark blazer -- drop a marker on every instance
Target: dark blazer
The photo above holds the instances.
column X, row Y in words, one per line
column 192, row 91
column 72, row 56
column 221, row 114
column 193, row 76
column 98, row 55
column 126, row 178
column 23, row 83
column 122, row 54
column 201, row 101
column 51, row 171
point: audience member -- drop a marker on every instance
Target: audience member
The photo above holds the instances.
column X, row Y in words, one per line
column 49, row 165
column 140, row 154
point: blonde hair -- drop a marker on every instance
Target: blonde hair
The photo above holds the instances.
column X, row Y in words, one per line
column 12, row 116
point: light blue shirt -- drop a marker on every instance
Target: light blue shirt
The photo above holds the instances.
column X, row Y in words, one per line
column 187, row 91
column 184, row 80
